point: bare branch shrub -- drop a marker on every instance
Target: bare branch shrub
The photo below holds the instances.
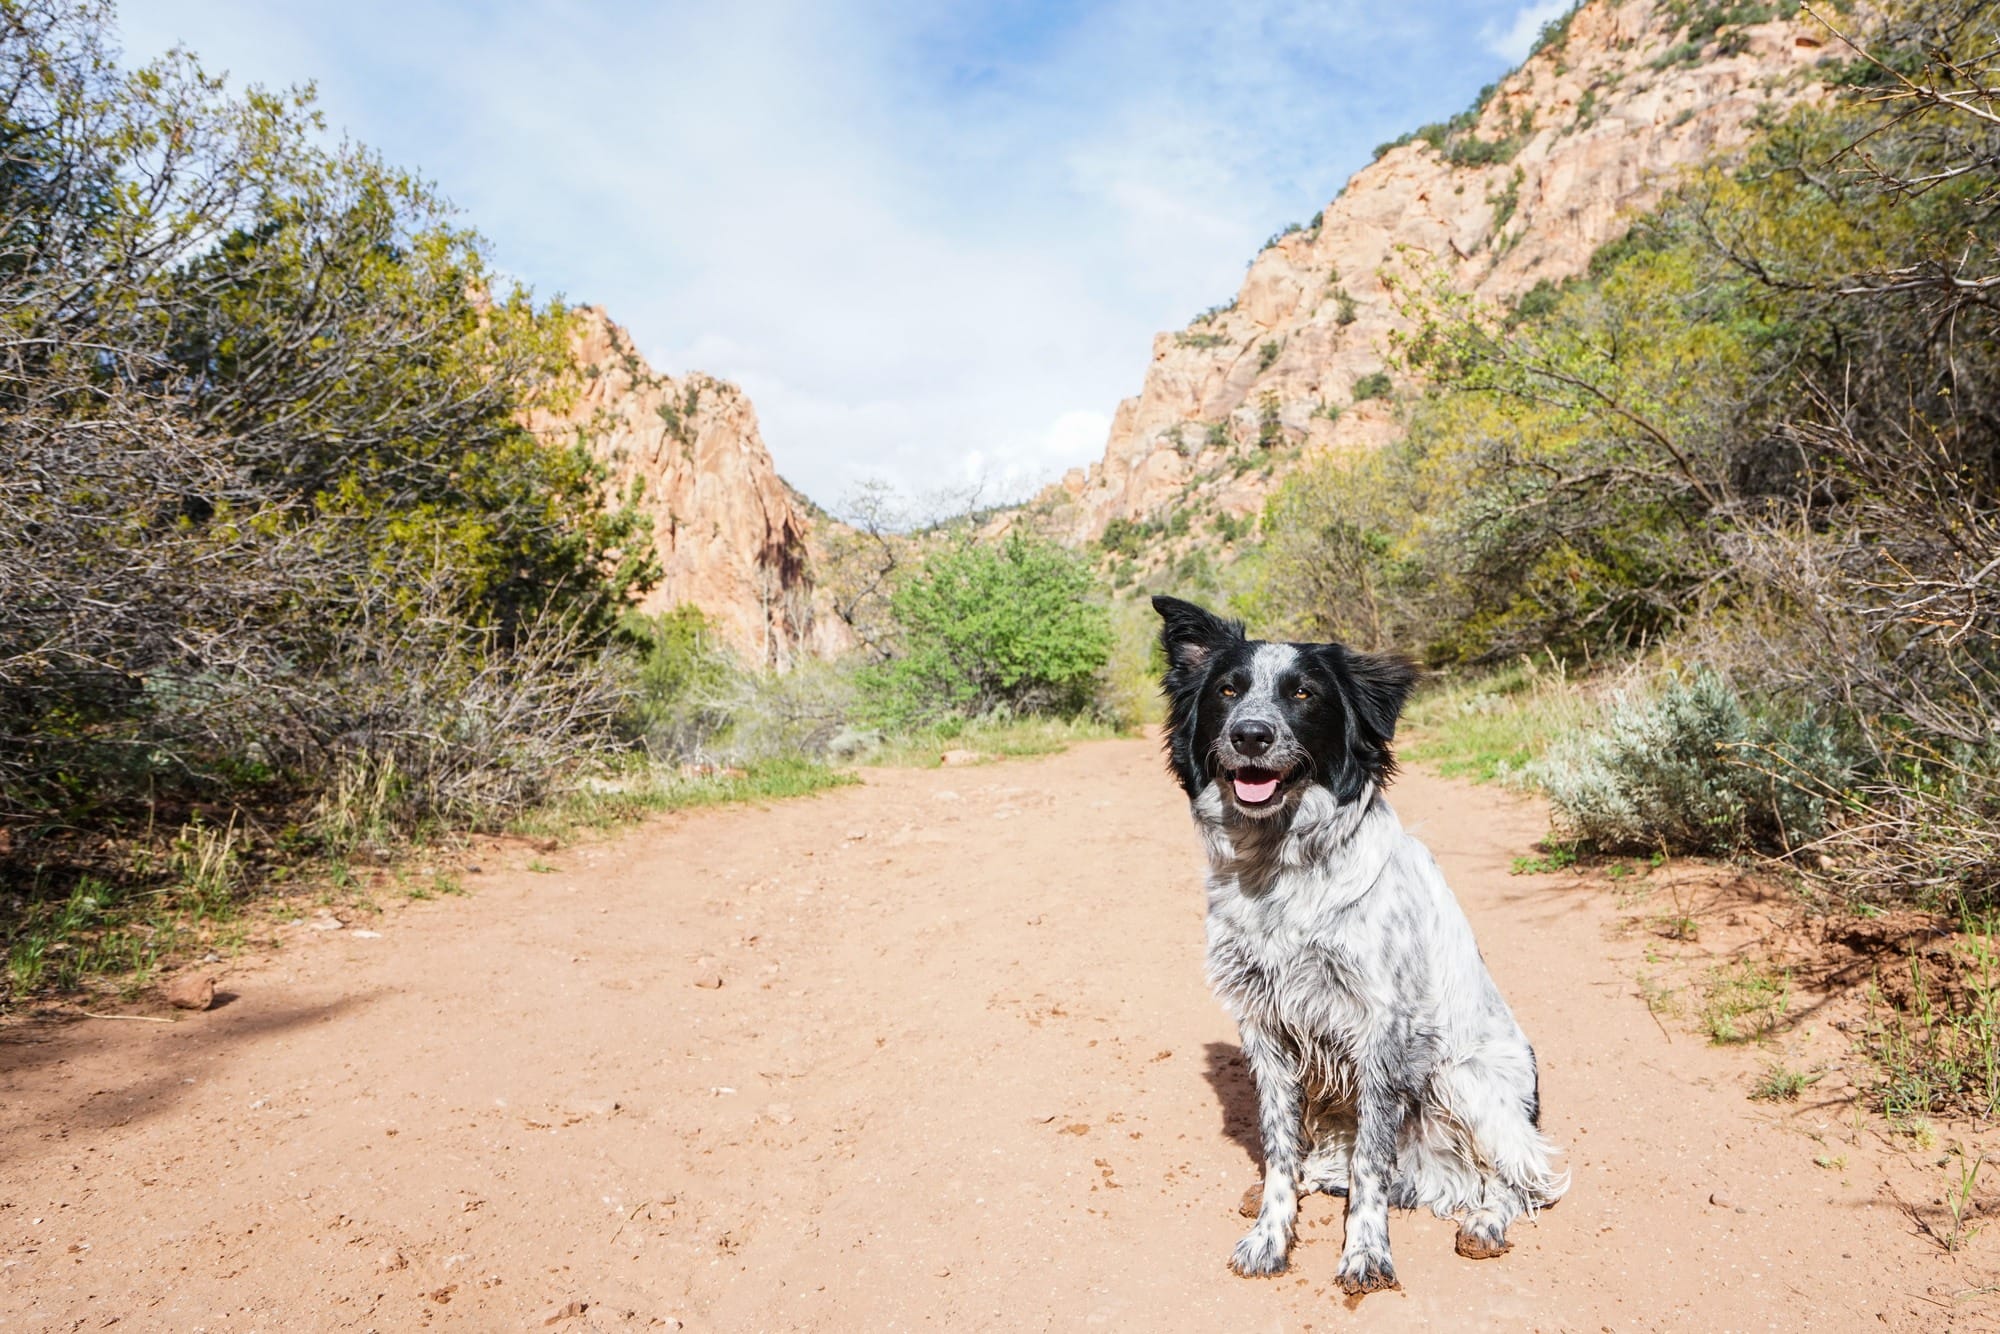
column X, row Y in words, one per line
column 269, row 523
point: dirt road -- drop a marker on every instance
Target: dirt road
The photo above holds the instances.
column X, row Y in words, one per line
column 960, row 1072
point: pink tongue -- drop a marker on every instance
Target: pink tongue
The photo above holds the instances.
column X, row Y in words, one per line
column 1255, row 792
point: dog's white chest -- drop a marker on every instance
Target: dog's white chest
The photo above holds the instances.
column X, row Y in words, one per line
column 1271, row 958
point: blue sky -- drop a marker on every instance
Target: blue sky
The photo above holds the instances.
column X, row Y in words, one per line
column 933, row 242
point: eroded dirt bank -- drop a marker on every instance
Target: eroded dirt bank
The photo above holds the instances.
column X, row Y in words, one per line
column 961, row 1071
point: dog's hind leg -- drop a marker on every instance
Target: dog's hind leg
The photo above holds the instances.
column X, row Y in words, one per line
column 1482, row 1233
column 1275, row 1069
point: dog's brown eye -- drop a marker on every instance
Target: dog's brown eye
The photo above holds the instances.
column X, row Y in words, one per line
column 1302, row 693
column 1229, row 692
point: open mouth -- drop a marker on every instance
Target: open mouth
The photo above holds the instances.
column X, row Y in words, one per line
column 1256, row 787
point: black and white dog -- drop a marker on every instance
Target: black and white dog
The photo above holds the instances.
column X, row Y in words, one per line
column 1387, row 1066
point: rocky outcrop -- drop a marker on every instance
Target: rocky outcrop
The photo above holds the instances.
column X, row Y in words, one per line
column 730, row 537
column 1590, row 129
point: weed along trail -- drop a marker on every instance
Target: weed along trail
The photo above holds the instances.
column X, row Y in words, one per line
column 933, row 1051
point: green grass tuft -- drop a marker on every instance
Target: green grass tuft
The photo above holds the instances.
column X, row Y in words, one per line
column 1491, row 728
column 640, row 790
column 1555, row 857
column 1016, row 738
column 1744, row 1002
column 1778, row 1084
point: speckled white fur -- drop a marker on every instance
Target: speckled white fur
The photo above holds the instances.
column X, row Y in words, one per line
column 1385, row 1060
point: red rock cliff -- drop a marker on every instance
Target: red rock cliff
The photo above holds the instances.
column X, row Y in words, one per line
column 1591, row 128
column 727, row 531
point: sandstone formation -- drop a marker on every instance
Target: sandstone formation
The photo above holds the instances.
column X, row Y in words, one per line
column 728, row 532
column 1590, row 129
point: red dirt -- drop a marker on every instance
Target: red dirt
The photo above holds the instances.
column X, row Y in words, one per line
column 961, row 1072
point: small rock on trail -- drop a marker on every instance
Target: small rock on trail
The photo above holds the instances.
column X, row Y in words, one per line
column 555, row 1315
column 191, row 991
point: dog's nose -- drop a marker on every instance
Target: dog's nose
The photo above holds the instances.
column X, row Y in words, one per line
column 1252, row 738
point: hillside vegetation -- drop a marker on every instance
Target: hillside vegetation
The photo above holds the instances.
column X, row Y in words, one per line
column 284, row 576
column 1759, row 438
column 285, row 580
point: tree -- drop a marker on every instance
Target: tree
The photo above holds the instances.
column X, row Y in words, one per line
column 267, row 508
column 988, row 626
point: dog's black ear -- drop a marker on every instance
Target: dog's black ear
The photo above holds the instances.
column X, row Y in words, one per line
column 1373, row 687
column 1382, row 683
column 1191, row 635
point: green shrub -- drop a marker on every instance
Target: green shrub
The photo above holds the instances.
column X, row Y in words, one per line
column 684, row 680
column 271, row 512
column 1121, row 536
column 1506, row 200
column 1270, row 423
column 1690, row 769
column 1378, row 385
column 1009, row 627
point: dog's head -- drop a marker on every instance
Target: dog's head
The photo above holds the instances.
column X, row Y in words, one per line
column 1265, row 720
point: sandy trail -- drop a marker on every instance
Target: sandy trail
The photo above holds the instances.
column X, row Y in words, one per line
column 961, row 1072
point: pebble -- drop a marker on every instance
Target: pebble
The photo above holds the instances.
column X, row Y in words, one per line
column 709, row 981
column 191, row 991
column 567, row 1310
column 1721, row 1201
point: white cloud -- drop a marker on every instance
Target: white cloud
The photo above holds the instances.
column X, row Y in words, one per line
column 1513, row 41
column 1025, row 462
column 929, row 241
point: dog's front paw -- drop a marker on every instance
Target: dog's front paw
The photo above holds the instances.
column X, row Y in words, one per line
column 1366, row 1271
column 1260, row 1254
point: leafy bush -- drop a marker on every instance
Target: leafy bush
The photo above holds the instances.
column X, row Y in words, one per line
column 1270, row 421
column 1121, row 536
column 1689, row 769
column 268, row 512
column 692, row 701
column 1376, row 385
column 1009, row 626
column 684, row 682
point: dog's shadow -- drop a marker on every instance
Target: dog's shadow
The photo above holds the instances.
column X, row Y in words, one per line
column 1236, row 1094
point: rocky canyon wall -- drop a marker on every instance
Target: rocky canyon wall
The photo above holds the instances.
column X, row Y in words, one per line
column 730, row 536
column 1590, row 129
